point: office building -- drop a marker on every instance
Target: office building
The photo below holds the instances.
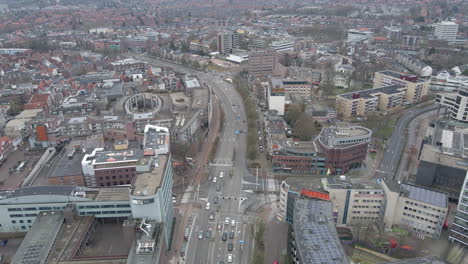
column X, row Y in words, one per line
column 314, row 236
column 456, row 104
column 459, row 229
column 276, row 96
column 415, row 88
column 446, row 30
column 299, row 157
column 422, row 211
column 445, row 82
column 442, row 159
column 354, row 203
column 263, row 63
column 358, row 35
column 282, row 46
column 227, row 41
column 344, row 146
column 393, row 33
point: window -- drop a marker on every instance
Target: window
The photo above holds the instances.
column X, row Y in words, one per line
column 45, row 208
column 23, row 227
column 14, row 209
column 16, row 215
column 13, row 221
column 29, row 221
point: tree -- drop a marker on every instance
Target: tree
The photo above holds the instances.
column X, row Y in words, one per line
column 304, row 128
column 172, row 45
column 465, row 72
column 185, row 47
column 293, row 114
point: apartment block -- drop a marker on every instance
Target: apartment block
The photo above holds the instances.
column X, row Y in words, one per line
column 456, row 104
column 415, row 88
column 446, row 30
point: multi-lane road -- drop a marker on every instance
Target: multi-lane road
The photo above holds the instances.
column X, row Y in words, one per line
column 234, row 187
column 396, row 143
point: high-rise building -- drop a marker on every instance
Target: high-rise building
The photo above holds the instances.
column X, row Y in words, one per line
column 459, row 230
column 227, row 41
column 446, row 30
column 263, row 63
column 457, row 104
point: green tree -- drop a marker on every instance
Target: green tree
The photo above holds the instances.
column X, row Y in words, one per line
column 292, row 114
column 304, row 128
column 172, row 45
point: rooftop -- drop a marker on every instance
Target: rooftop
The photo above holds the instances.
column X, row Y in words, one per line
column 126, row 62
column 68, row 164
column 336, row 136
column 418, row 193
column 438, row 155
column 315, row 233
column 40, row 239
column 397, row 75
column 156, row 140
column 371, row 93
column 148, row 183
column 422, row 260
column 117, row 156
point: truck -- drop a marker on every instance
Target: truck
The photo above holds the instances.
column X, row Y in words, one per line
column 187, row 233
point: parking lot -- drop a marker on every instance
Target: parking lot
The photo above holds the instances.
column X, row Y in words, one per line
column 12, row 179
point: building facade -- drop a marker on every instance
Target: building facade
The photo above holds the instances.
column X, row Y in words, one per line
column 459, row 230
column 446, row 30
column 415, row 88
column 456, row 104
column 263, row 63
column 344, row 147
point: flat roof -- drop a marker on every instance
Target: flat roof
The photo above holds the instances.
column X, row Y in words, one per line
column 148, row 183
column 370, row 93
column 315, row 233
column 116, row 156
column 39, row 190
column 40, row 239
column 437, row 155
column 398, row 75
column 113, row 194
column 296, row 184
column 156, row 139
column 67, row 166
column 425, row 195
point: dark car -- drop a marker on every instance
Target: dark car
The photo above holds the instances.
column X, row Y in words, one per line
column 224, row 237
column 208, row 234
column 231, row 235
column 215, row 199
column 230, row 247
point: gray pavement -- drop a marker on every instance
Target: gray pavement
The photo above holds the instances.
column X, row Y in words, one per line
column 396, row 143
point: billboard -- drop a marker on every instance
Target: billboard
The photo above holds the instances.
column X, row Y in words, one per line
column 314, row 194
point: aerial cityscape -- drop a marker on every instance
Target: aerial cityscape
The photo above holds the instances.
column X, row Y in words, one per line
column 224, row 131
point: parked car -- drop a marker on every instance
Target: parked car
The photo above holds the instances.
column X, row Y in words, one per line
column 226, row 221
column 230, row 246
column 224, row 237
column 200, row 234
column 229, row 258
column 231, row 235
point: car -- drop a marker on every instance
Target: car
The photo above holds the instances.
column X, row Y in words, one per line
column 200, row 234
column 218, row 188
column 226, row 221
column 221, row 174
column 207, row 206
column 210, row 177
column 233, row 222
column 215, row 180
column 230, row 246
column 173, row 200
column 224, row 237
column 229, row 258
column 211, row 216
column 231, row 235
column 215, row 200
column 221, row 262
column 208, row 234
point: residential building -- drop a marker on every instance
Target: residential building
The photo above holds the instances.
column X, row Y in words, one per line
column 414, row 64
column 314, row 236
column 446, row 30
column 363, row 102
column 442, row 160
column 263, row 63
column 129, row 64
column 393, row 33
column 422, row 211
column 456, row 104
column 344, row 146
column 415, row 88
column 358, row 35
column 6, row 147
column 459, row 230
column 445, row 82
column 297, row 87
column 276, row 96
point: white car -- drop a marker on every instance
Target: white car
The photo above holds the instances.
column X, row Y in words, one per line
column 221, row 174
column 207, row 206
column 233, row 222
column 215, row 180
column 226, row 221
column 229, row 258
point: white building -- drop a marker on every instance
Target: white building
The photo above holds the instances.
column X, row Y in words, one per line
column 276, row 97
column 459, row 230
column 358, row 35
column 445, row 82
column 284, row 45
column 227, row 41
column 446, row 30
column 456, row 103
column 421, row 211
